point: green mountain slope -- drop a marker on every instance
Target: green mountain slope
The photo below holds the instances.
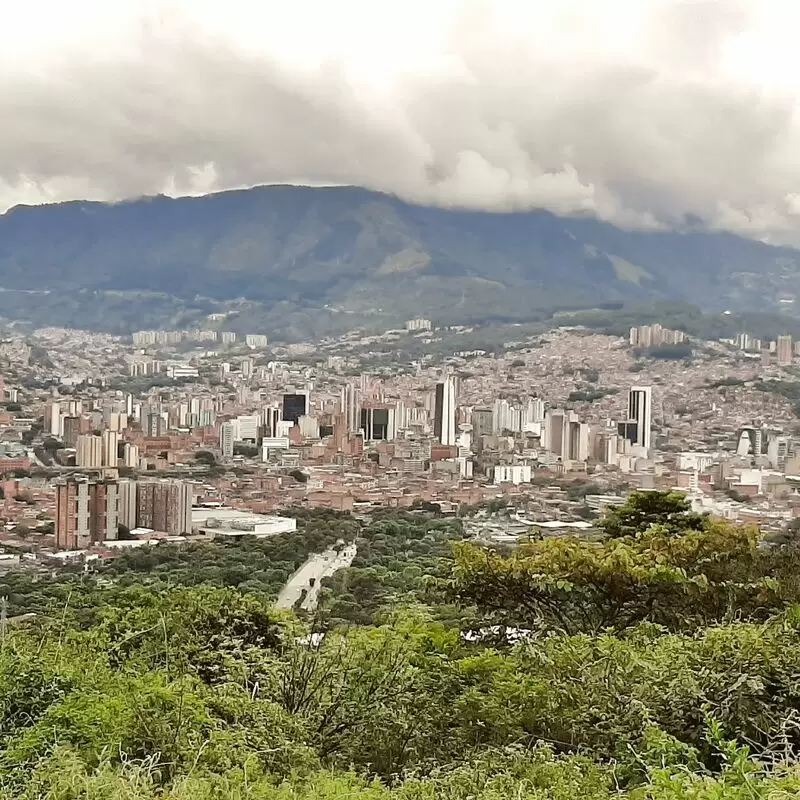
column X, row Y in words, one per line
column 339, row 254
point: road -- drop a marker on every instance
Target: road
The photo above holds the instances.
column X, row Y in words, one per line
column 318, row 566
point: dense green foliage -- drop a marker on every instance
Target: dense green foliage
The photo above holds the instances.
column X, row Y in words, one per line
column 670, row 510
column 659, row 563
column 400, row 561
column 246, row 563
column 662, row 663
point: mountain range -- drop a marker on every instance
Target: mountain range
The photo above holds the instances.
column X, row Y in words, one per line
column 303, row 260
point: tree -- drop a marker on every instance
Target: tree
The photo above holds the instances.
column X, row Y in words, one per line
column 123, row 532
column 205, row 457
column 681, row 581
column 642, row 510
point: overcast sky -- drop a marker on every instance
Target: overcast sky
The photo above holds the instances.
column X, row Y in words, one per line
column 643, row 112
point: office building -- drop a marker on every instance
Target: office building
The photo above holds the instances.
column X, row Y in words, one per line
column 86, row 513
column 640, row 410
column 377, row 424
column 350, row 406
column 294, row 407
column 445, row 410
column 577, row 439
column 482, row 424
column 556, row 434
column 271, row 417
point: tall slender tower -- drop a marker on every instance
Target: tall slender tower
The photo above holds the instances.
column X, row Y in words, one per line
column 350, row 406
column 640, row 410
column 445, row 410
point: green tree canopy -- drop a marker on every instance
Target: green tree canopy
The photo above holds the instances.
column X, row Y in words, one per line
column 645, row 509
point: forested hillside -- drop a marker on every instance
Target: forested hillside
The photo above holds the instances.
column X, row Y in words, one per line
column 659, row 660
column 332, row 258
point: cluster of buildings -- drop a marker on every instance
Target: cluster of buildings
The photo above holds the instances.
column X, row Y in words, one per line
column 94, row 511
column 655, row 336
column 172, row 338
column 783, row 349
column 96, row 458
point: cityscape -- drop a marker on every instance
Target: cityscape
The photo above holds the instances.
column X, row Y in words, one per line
column 207, row 434
column 399, row 401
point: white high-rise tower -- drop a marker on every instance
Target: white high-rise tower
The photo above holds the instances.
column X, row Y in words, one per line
column 445, row 411
column 640, row 410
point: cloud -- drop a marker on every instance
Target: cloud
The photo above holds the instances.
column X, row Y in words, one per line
column 642, row 113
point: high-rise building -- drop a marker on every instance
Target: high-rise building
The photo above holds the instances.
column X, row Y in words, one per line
column 271, row 417
column 86, row 513
column 227, row 436
column 294, row 407
column 54, row 419
column 418, row 325
column 377, row 424
column 445, row 410
column 164, row 506
column 640, row 411
column 246, row 428
column 778, row 450
column 110, row 444
column 89, row 451
column 131, row 455
column 127, row 504
column 309, row 427
column 556, row 433
column 785, row 350
column 255, row 340
column 350, row 406
column 154, row 424
column 481, row 419
column 72, row 430
column 228, row 337
column 578, row 439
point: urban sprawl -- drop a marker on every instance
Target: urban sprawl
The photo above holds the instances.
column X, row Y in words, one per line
column 109, row 443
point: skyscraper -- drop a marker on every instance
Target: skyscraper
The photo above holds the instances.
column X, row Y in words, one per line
column 377, row 423
column 294, row 407
column 556, row 438
column 350, row 406
column 785, row 350
column 578, row 439
column 444, row 414
column 640, row 411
